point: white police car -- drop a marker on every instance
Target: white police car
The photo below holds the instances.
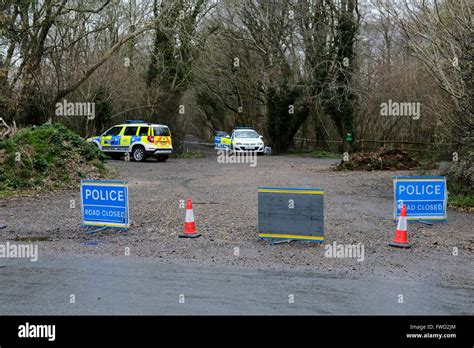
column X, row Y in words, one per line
column 245, row 139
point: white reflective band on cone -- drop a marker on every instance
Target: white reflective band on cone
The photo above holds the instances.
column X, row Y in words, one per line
column 402, row 223
column 189, row 215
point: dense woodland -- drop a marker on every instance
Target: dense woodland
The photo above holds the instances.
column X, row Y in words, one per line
column 293, row 69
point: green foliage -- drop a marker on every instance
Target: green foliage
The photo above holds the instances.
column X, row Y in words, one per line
column 40, row 164
column 90, row 152
column 188, row 154
column 47, row 157
column 461, row 201
column 460, row 175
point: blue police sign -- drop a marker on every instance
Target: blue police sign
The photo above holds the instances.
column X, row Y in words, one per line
column 105, row 203
column 426, row 197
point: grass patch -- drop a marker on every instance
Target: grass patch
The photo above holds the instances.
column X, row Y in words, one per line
column 188, row 154
column 465, row 202
column 47, row 158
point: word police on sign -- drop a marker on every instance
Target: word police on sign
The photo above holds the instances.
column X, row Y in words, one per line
column 425, row 197
column 105, row 203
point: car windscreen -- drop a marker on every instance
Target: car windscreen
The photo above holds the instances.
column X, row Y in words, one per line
column 162, row 131
column 246, row 134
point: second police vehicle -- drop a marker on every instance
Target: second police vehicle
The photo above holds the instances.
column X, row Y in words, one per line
column 242, row 139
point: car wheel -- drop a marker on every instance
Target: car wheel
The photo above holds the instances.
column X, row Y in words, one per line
column 162, row 158
column 138, row 153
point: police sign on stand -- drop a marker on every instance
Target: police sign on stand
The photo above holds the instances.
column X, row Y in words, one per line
column 105, row 203
column 426, row 197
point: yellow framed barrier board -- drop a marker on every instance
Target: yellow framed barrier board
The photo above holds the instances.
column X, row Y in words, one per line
column 286, row 213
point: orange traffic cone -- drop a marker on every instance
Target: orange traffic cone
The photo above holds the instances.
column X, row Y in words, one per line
column 190, row 230
column 400, row 239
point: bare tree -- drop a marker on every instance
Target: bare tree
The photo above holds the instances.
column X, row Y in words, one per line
column 37, row 36
column 439, row 35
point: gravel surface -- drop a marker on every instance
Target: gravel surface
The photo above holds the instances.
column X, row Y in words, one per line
column 358, row 209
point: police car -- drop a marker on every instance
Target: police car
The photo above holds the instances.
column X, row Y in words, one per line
column 221, row 140
column 245, row 139
column 242, row 139
column 138, row 138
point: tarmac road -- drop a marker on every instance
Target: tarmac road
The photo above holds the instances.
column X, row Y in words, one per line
column 122, row 285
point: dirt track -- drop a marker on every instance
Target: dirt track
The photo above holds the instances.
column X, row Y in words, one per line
column 358, row 208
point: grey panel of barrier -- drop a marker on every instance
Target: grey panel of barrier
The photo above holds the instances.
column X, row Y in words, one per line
column 291, row 213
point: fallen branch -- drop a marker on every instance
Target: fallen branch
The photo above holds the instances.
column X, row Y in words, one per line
column 8, row 131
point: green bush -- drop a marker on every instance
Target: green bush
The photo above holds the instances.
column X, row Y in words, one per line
column 89, row 151
column 461, row 201
column 460, row 176
column 40, row 164
column 45, row 157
